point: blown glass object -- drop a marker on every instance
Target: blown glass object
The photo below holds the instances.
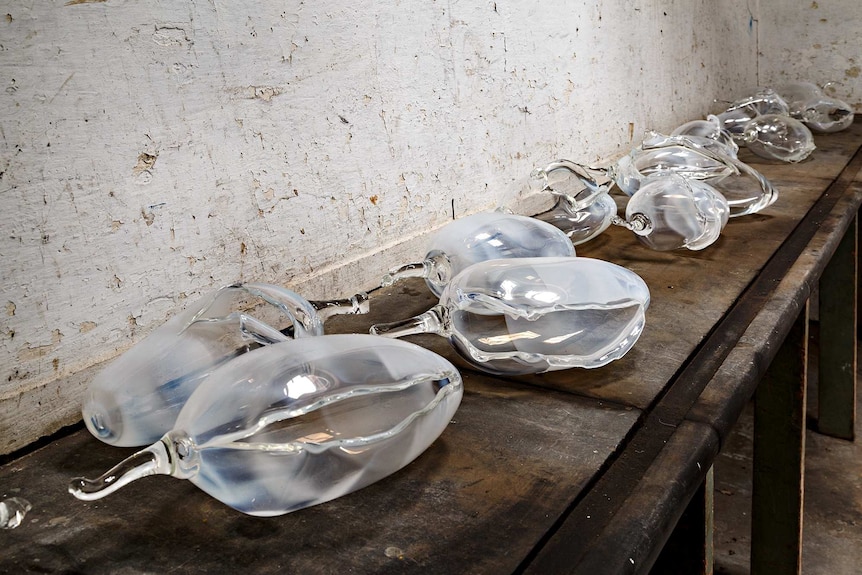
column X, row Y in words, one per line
column 295, row 424
column 12, row 512
column 583, row 209
column 740, row 112
column 763, row 101
column 745, row 189
column 778, row 137
column 709, row 134
column 670, row 212
column 137, row 397
column 480, row 237
column 821, row 113
column 534, row 315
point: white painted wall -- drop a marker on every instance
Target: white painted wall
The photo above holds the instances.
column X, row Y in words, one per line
column 152, row 152
column 815, row 40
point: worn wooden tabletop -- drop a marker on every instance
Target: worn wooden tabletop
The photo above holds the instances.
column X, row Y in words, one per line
column 535, row 473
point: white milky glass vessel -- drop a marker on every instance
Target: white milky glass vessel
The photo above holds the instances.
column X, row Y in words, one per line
column 299, row 423
column 480, row 237
column 137, row 397
column 669, row 212
column 536, row 314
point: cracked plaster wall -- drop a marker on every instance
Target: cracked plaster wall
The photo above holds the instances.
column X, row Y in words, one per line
column 150, row 153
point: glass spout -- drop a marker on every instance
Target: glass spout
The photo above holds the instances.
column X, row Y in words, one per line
column 436, row 269
column 153, row 460
column 354, row 305
column 639, row 223
column 432, row 321
column 412, row 270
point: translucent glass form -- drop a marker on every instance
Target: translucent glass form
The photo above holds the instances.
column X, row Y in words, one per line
column 583, row 209
column 742, row 111
column 12, row 512
column 709, row 134
column 821, row 113
column 137, row 397
column 778, row 138
column 480, row 237
column 764, row 101
column 536, row 314
column 581, row 225
column 295, row 424
column 669, row 212
column 745, row 189
column 734, row 120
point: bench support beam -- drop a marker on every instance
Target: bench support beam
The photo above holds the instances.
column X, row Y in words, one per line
column 779, row 457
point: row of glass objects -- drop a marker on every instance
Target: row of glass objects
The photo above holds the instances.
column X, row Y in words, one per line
column 245, row 396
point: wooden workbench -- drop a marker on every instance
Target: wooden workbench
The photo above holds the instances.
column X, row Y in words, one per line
column 584, row 471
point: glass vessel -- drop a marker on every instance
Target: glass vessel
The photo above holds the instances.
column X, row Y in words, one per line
column 745, row 189
column 299, row 423
column 12, row 512
column 821, row 113
column 583, row 208
column 740, row 112
column 480, row 237
column 581, row 225
column 669, row 212
column 778, row 137
column 710, row 134
column 533, row 315
column 137, row 397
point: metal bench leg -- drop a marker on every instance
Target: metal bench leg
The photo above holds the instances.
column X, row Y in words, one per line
column 836, row 387
column 690, row 551
column 779, row 458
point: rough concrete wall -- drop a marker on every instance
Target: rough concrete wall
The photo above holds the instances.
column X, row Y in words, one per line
column 152, row 152
column 818, row 41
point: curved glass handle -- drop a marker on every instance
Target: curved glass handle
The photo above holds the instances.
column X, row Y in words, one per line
column 435, row 268
column 154, row 460
column 357, row 304
column 432, row 321
column 582, row 199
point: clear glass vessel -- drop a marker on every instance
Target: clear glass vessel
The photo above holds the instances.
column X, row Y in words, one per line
column 740, row 112
column 765, row 101
column 670, row 212
column 583, row 208
column 745, row 189
column 581, row 225
column 778, row 137
column 709, row 133
column 821, row 113
column 137, row 397
column 480, row 237
column 534, row 315
column 299, row 423
column 12, row 512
